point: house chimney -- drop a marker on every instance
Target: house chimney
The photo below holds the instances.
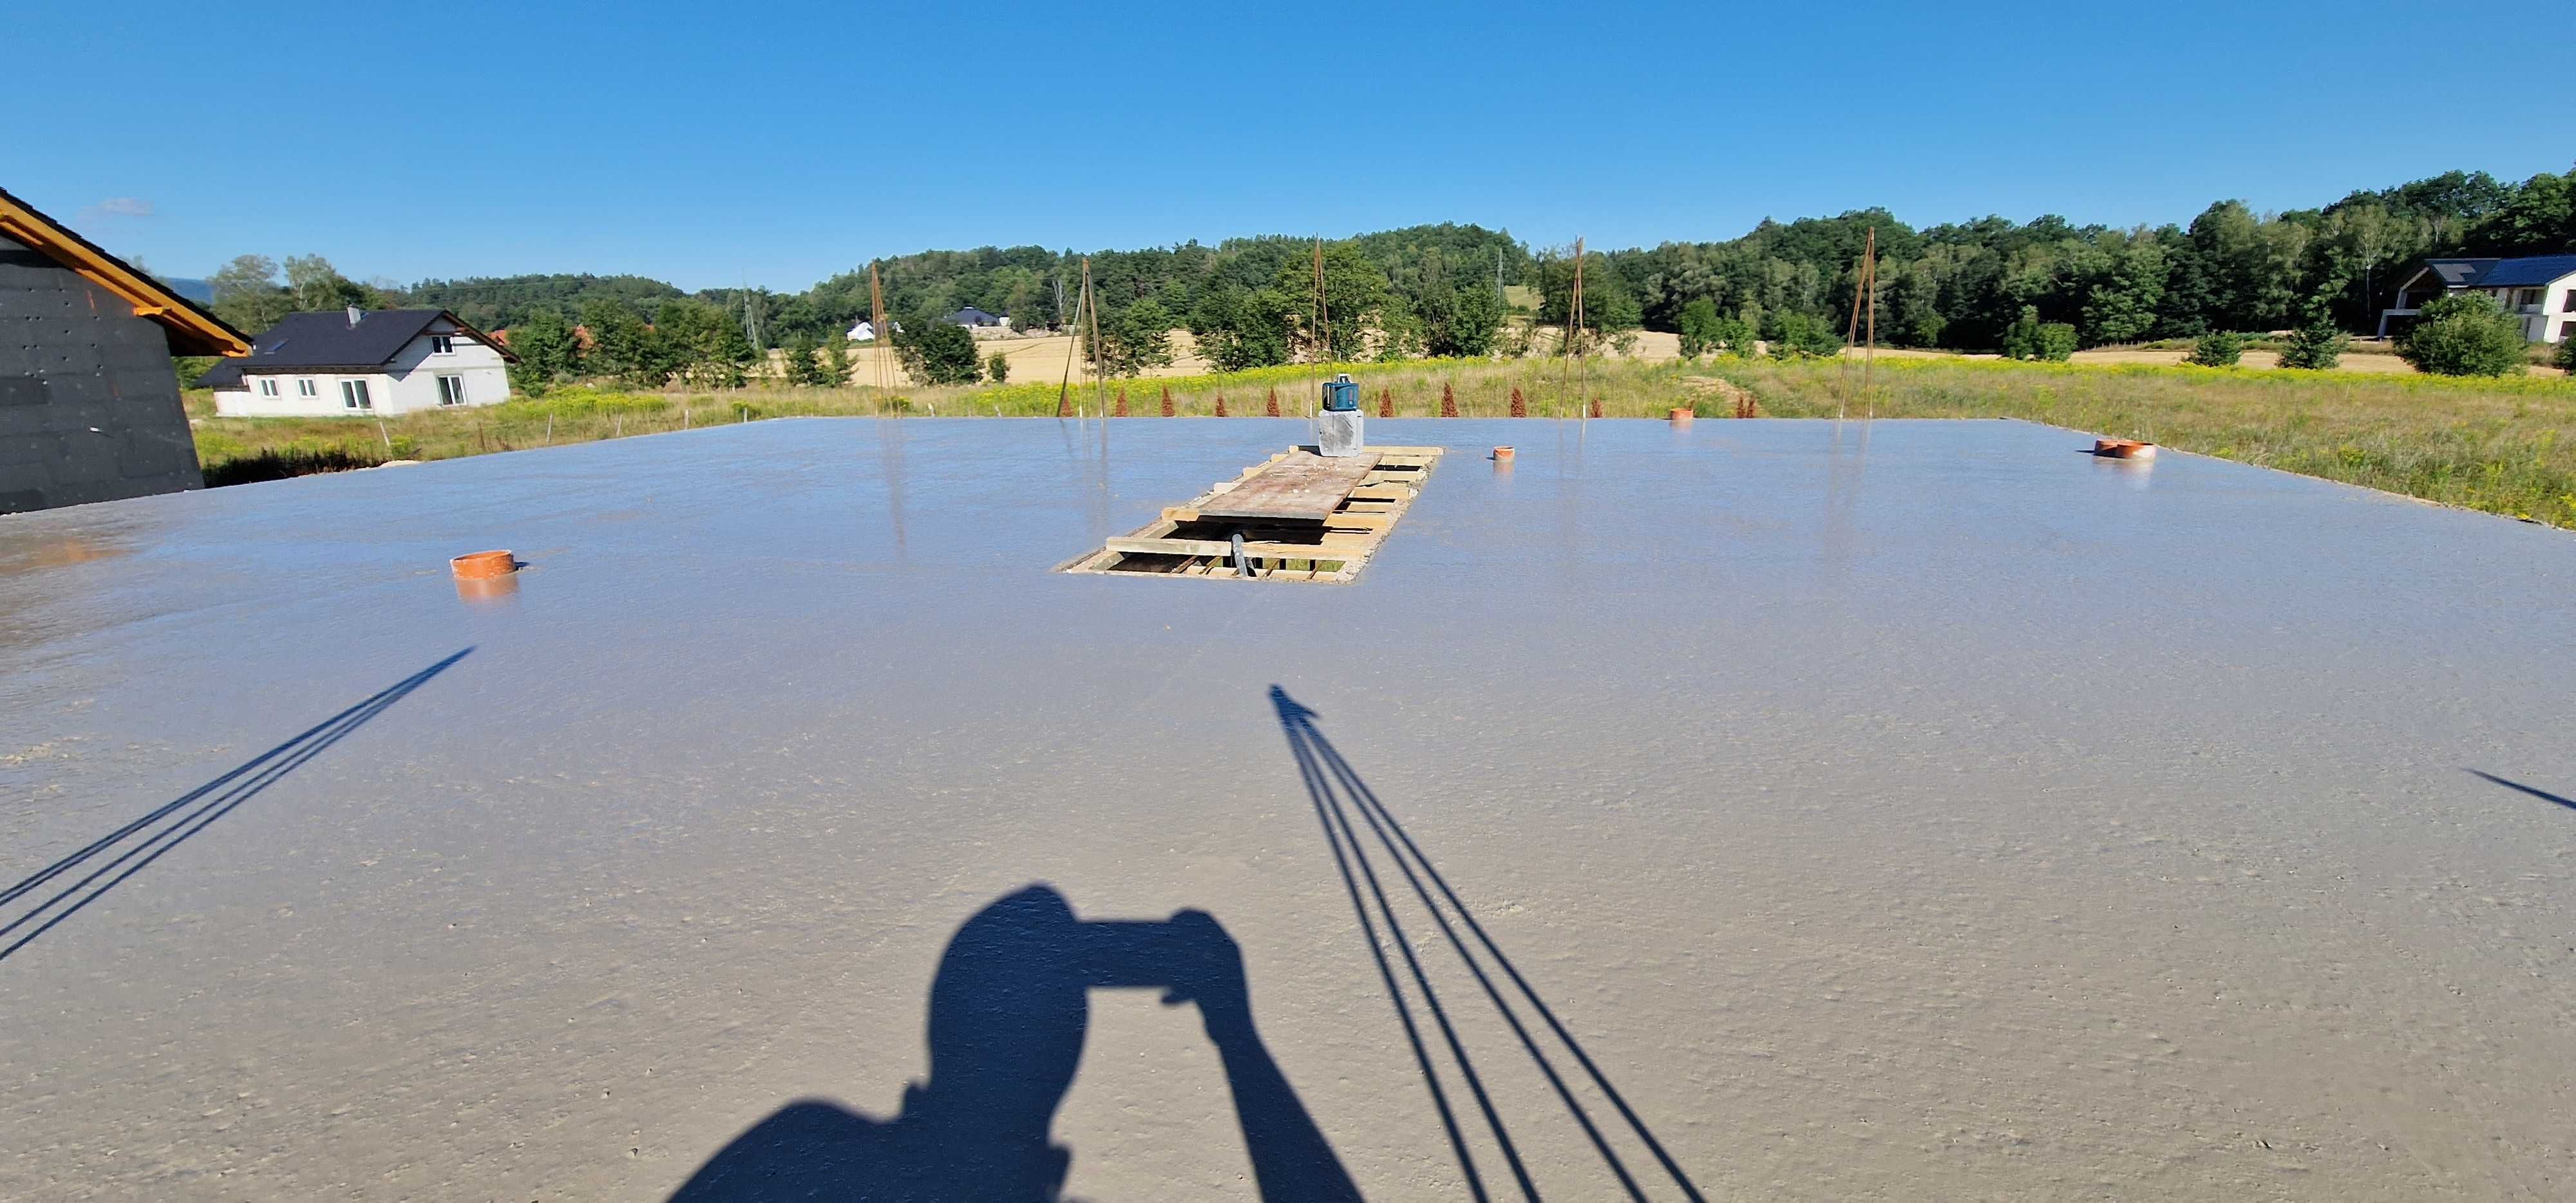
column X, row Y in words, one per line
column 354, row 314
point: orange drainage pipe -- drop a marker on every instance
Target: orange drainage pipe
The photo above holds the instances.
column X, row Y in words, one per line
column 484, row 565
column 2123, row 449
column 1682, row 415
column 1502, row 455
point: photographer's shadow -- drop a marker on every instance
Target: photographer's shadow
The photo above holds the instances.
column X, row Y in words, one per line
column 1008, row 1009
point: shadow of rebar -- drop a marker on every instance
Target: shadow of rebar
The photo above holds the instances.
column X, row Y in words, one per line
column 1336, row 789
column 186, row 815
column 2542, row 794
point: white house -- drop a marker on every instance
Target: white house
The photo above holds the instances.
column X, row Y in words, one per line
column 2540, row 291
column 864, row 332
column 385, row 361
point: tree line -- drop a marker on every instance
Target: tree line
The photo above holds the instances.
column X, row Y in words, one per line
column 1449, row 289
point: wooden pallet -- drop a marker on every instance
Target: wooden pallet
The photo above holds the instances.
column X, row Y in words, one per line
column 1196, row 538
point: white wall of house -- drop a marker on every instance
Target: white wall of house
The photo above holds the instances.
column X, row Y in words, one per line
column 474, row 374
column 478, row 374
column 2556, row 319
column 2547, row 312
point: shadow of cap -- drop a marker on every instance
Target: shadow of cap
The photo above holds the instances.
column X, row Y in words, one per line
column 1007, row 1013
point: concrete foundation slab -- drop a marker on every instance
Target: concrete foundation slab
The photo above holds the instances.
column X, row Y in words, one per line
column 1928, row 810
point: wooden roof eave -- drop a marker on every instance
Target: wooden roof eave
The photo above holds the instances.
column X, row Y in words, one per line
column 193, row 331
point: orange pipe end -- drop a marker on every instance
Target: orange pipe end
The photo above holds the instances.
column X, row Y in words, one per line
column 483, row 565
column 1682, row 415
column 1502, row 455
column 2123, row 449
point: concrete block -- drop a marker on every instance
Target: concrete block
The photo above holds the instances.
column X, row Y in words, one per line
column 144, row 451
column 1339, row 432
column 77, row 388
column 87, row 455
column 38, row 475
column 65, row 355
column 17, row 358
column 148, row 384
column 41, row 447
column 21, row 420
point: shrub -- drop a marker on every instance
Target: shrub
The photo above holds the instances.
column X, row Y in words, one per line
column 2567, row 353
column 2056, row 342
column 1699, row 328
column 800, row 366
column 2217, row 349
column 1735, row 336
column 2315, row 346
column 997, row 368
column 936, row 352
column 2021, row 339
column 2464, row 335
column 1804, row 336
column 2030, row 338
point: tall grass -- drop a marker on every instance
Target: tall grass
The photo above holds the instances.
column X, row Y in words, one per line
column 2505, row 446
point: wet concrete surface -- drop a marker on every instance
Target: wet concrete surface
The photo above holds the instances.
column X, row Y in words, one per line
column 1926, row 812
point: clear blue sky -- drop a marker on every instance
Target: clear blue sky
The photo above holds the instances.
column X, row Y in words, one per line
column 710, row 143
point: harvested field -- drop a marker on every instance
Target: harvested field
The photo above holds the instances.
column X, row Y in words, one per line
column 1918, row 810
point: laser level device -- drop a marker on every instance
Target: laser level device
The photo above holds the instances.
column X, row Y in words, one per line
column 1338, row 428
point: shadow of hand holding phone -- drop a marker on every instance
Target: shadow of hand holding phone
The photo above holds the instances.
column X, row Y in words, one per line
column 1008, row 1010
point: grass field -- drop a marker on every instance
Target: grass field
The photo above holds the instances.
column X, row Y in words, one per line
column 2503, row 446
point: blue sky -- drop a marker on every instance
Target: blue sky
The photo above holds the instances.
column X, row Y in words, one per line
column 709, row 144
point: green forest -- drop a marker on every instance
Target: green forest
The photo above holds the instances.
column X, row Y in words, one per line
column 1446, row 289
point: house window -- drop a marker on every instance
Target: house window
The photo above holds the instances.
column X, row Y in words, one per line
column 304, row 387
column 353, row 395
column 267, row 386
column 442, row 344
column 2528, row 296
column 451, row 390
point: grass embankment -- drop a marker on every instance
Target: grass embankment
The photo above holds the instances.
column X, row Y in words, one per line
column 2504, row 446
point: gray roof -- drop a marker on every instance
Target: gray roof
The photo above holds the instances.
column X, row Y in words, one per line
column 2525, row 273
column 314, row 341
column 2530, row 272
column 971, row 316
column 2459, row 273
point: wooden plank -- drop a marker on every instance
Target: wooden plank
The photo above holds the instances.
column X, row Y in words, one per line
column 1304, row 487
column 1213, row 547
column 1348, row 520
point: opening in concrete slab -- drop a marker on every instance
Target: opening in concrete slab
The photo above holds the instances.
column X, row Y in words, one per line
column 1297, row 516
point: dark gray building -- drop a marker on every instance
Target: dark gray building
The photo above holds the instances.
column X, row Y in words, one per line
column 89, row 402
